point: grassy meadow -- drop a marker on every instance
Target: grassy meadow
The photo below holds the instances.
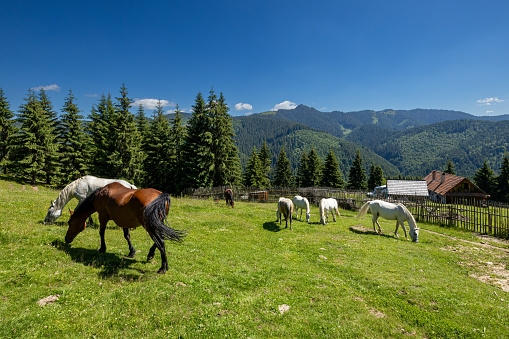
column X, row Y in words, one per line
column 239, row 274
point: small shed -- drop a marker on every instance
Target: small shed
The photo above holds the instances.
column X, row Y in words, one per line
column 259, row 195
column 445, row 188
column 409, row 189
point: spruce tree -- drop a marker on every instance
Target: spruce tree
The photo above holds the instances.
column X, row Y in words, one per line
column 74, row 142
column 253, row 176
column 50, row 141
column 376, row 177
column 31, row 144
column 484, row 178
column 99, row 130
column 450, row 168
column 502, row 189
column 197, row 149
column 301, row 177
column 159, row 152
column 283, row 174
column 178, row 135
column 314, row 169
column 142, row 122
column 7, row 131
column 127, row 157
column 357, row 174
column 266, row 161
column 331, row 174
column 226, row 159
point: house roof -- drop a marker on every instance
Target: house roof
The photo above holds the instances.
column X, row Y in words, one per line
column 417, row 188
column 441, row 183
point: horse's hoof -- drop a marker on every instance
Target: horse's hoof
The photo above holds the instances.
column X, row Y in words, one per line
column 162, row 270
column 131, row 254
column 150, row 258
column 102, row 250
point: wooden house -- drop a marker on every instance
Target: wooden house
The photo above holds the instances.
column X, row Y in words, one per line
column 447, row 188
column 407, row 189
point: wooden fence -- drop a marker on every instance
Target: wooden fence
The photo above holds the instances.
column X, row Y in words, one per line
column 485, row 217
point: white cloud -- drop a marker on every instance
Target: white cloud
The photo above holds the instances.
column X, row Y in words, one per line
column 53, row 87
column 152, row 103
column 243, row 107
column 91, row 95
column 284, row 105
column 489, row 101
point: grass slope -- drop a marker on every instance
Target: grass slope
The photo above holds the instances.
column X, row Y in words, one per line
column 234, row 274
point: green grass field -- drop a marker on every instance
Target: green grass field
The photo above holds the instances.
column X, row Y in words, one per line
column 238, row 274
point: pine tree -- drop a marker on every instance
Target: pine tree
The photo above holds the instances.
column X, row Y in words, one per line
column 99, row 130
column 502, row 189
column 142, row 122
column 283, row 174
column 178, row 135
column 74, row 142
column 50, row 141
column 302, row 170
column 314, row 169
column 197, row 148
column 127, row 157
column 254, row 172
column 31, row 144
column 266, row 161
column 226, row 159
column 450, row 168
column 376, row 177
column 484, row 178
column 331, row 175
column 357, row 174
column 7, row 131
column 159, row 152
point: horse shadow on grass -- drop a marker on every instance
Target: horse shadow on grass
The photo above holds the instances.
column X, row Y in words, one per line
column 108, row 264
column 363, row 230
column 272, row 226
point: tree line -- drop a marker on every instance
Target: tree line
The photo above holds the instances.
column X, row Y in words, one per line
column 37, row 144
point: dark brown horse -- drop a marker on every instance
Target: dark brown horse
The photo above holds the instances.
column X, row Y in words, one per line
column 128, row 208
column 228, row 196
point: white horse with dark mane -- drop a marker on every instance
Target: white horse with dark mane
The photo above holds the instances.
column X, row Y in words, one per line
column 389, row 211
column 328, row 205
column 284, row 209
column 79, row 189
column 302, row 203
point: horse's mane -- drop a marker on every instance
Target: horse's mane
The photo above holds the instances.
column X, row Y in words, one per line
column 87, row 204
column 409, row 215
column 66, row 194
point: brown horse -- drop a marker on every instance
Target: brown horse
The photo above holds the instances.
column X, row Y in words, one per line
column 128, row 208
column 228, row 196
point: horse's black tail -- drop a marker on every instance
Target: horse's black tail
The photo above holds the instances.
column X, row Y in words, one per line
column 155, row 219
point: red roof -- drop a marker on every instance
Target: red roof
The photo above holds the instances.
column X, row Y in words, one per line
column 442, row 183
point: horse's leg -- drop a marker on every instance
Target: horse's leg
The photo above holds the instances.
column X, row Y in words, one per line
column 404, row 229
column 127, row 236
column 164, row 260
column 334, row 214
column 103, row 220
column 151, row 252
column 396, row 230
column 374, row 219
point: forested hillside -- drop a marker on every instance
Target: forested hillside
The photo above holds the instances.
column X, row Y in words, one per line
column 420, row 150
column 295, row 138
column 341, row 124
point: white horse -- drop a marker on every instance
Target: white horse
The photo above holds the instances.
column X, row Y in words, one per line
column 79, row 189
column 285, row 209
column 391, row 211
column 302, row 203
column 328, row 205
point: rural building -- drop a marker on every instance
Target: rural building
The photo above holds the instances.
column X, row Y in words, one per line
column 407, row 189
column 445, row 188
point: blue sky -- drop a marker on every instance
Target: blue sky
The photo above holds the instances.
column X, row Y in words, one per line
column 263, row 55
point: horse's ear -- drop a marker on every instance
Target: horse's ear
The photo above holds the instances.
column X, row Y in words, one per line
column 71, row 211
column 52, row 203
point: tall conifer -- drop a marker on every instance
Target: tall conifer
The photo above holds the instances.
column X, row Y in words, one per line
column 178, row 135
column 265, row 161
column 357, row 174
column 502, row 189
column 253, row 176
column 331, row 174
column 75, row 143
column 50, row 140
column 99, row 130
column 314, row 169
column 7, row 131
column 484, row 178
column 376, row 177
column 302, row 170
column 283, row 174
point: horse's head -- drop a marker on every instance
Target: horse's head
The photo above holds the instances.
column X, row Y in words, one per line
column 75, row 227
column 308, row 215
column 53, row 214
column 414, row 234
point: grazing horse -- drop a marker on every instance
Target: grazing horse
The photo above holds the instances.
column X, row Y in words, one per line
column 228, row 196
column 79, row 189
column 302, row 203
column 128, row 208
column 389, row 211
column 285, row 209
column 328, row 205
